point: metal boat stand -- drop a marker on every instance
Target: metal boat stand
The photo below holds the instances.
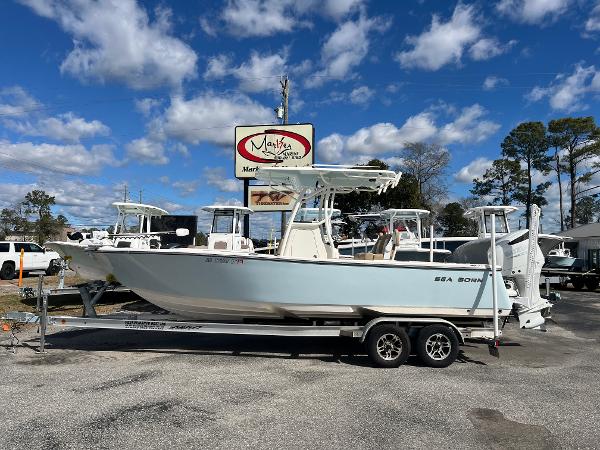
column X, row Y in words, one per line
column 91, row 293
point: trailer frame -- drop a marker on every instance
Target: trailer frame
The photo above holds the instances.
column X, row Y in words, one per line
column 170, row 323
column 579, row 279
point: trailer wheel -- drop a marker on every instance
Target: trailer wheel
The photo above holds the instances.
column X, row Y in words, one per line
column 577, row 283
column 591, row 283
column 388, row 345
column 437, row 346
column 8, row 271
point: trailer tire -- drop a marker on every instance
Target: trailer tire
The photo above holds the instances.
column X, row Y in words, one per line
column 592, row 284
column 437, row 346
column 577, row 283
column 388, row 345
column 7, row 272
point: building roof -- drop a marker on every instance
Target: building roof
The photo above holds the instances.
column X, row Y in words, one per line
column 584, row 231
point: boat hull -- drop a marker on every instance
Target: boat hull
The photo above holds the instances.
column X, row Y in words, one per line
column 204, row 285
column 560, row 262
column 85, row 263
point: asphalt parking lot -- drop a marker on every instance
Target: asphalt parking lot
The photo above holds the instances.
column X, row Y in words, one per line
column 144, row 390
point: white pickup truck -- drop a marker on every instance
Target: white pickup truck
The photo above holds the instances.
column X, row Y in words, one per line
column 34, row 258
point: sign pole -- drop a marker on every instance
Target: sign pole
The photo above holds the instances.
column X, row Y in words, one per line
column 285, row 93
column 246, row 203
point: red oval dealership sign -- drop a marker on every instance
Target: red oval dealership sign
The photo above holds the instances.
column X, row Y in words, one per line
column 272, row 146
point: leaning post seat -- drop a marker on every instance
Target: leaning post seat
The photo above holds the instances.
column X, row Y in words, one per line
column 378, row 250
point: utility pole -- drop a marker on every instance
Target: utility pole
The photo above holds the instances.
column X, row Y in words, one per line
column 125, row 193
column 285, row 93
column 141, row 195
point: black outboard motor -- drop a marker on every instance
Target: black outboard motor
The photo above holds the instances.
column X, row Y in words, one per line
column 76, row 236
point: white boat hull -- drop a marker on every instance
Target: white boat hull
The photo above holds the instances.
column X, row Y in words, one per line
column 208, row 285
column 85, row 263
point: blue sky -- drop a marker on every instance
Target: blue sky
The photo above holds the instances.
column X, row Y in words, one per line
column 98, row 94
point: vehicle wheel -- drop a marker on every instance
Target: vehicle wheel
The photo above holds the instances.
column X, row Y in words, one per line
column 388, row 346
column 437, row 346
column 577, row 283
column 591, row 283
column 8, row 271
column 53, row 268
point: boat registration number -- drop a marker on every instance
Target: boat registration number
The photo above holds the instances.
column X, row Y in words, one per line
column 217, row 260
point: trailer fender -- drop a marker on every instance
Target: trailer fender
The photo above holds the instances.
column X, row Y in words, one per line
column 408, row 322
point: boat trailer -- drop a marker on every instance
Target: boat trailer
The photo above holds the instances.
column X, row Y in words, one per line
column 170, row 323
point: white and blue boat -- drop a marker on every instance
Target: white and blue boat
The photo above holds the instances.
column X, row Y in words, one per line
column 306, row 279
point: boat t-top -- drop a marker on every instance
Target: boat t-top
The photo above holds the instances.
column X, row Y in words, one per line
column 483, row 214
column 226, row 228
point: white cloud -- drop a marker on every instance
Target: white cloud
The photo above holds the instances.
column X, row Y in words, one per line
column 186, row 188
column 211, row 118
column 115, row 41
column 468, row 126
column 338, row 9
column 178, row 147
column 488, row 48
column 64, row 127
column 208, row 26
column 475, row 169
column 146, row 151
column 83, row 203
column 385, row 137
column 12, row 193
column 246, row 18
column 330, row 148
column 444, row 42
column 218, row 66
column 492, row 82
column 361, row 95
column 147, row 105
column 215, row 176
column 592, row 24
column 567, row 92
column 260, row 72
column 532, row 11
column 16, row 102
column 66, row 159
column 345, row 48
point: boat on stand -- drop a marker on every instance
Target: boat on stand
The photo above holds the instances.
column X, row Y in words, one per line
column 85, row 264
